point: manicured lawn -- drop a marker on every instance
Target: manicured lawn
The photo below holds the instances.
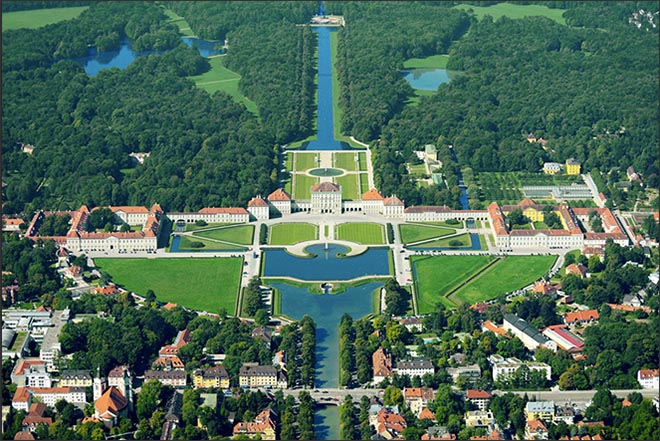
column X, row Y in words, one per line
column 292, row 233
column 541, row 226
column 349, row 186
column 515, row 11
column 302, row 186
column 422, row 184
column 362, row 158
column 242, row 234
column 364, row 183
column 221, row 78
column 207, row 284
column 182, row 24
column 434, row 61
column 288, row 162
column 37, row 18
column 435, row 276
column 305, row 161
column 418, row 169
column 346, row 161
column 366, row 233
column 460, row 224
column 412, row 233
column 193, row 227
column 509, row 274
column 464, row 239
column 209, row 245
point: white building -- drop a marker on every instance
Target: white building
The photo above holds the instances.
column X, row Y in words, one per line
column 258, row 208
column 372, row 202
column 414, row 368
column 37, row 376
column 528, row 334
column 326, row 198
column 648, row 378
column 130, row 215
column 280, row 202
column 502, row 368
column 393, row 207
column 212, row 215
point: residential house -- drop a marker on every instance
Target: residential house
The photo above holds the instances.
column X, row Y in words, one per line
column 438, row 433
column 469, row 372
column 216, row 376
column 540, row 410
column 479, row 418
column 578, row 269
column 478, row 397
column 279, row 360
column 565, row 414
column 551, row 168
column 583, row 318
column 76, row 378
column 389, row 424
column 587, row 437
column 545, row 288
column 417, row 398
column 495, row 435
column 414, row 368
column 24, row 435
column 382, row 363
column 257, row 376
column 412, row 324
column 170, row 363
column 572, row 166
column 535, row 429
column 425, row 414
column 264, row 426
column 174, row 378
column 264, row 334
column 182, row 338
column 36, row 416
column 648, row 378
column 502, row 368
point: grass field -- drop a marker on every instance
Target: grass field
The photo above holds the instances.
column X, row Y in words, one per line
column 515, row 11
column 464, row 239
column 182, row 24
column 303, row 185
column 206, row 284
column 453, row 280
column 362, row 158
column 417, row 169
column 221, row 78
column 364, row 183
column 292, row 233
column 209, row 245
column 305, row 161
column 241, row 234
column 412, row 233
column 349, row 186
column 193, row 227
column 460, row 224
column 366, row 233
column 288, row 162
column 434, row 61
column 345, row 161
column 37, row 18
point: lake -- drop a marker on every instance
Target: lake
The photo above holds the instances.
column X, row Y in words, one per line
column 95, row 61
column 426, row 78
column 326, row 310
column 326, row 265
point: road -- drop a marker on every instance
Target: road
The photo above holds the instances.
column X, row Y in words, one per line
column 569, row 396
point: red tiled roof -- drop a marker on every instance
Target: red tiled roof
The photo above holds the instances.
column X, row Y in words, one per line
column 475, row 394
column 497, row 219
column 393, row 201
column 648, row 373
column 372, row 195
column 24, row 435
column 279, row 195
column 110, row 403
column 24, row 364
column 169, row 306
column 126, row 209
column 326, row 187
column 581, row 316
column 426, row 414
column 493, row 328
column 257, row 202
column 21, row 395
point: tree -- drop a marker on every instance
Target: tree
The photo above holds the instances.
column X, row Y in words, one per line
column 148, row 399
column 516, row 217
column 392, row 396
column 261, row 318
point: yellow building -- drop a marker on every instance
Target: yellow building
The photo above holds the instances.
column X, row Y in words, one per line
column 213, row 377
column 572, row 167
column 540, row 410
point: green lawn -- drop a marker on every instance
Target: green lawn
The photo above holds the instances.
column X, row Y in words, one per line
column 541, row 226
column 221, row 78
column 345, row 161
column 515, row 11
column 194, row 227
column 349, row 186
column 464, row 239
column 292, row 233
column 242, row 234
column 362, row 158
column 412, row 233
column 288, row 162
column 364, row 183
column 305, row 161
column 434, row 61
column 36, row 18
column 460, row 224
column 182, row 24
column 422, row 184
column 417, row 169
column 509, row 274
column 366, row 233
column 207, row 284
column 186, row 245
column 439, row 278
column 303, row 185
column 435, row 276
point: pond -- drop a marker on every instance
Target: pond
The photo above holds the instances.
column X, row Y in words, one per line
column 95, row 61
column 326, row 265
column 426, row 78
column 325, row 172
column 326, row 310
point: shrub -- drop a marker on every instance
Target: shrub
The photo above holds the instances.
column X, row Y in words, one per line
column 201, row 223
